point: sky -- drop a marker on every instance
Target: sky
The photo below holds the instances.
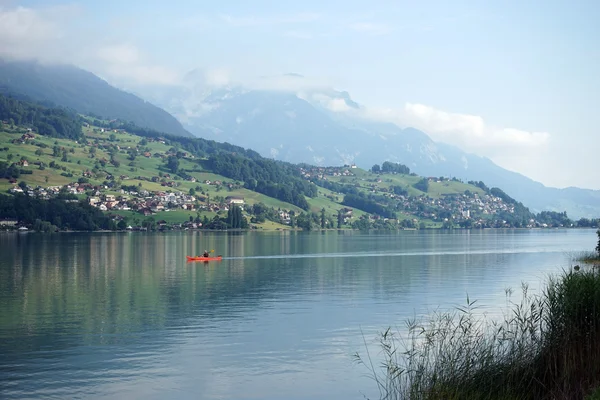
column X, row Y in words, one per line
column 515, row 81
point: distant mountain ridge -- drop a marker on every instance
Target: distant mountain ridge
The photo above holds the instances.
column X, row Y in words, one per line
column 301, row 127
column 84, row 92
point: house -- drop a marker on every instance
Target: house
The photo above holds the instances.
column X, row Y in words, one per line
column 346, row 212
column 8, row 222
column 24, row 163
column 109, row 197
column 234, row 200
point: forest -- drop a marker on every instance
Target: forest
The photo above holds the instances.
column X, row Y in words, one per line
column 272, row 178
column 54, row 214
column 54, row 122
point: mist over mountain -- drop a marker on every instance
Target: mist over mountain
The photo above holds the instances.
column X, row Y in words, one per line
column 318, row 126
column 84, row 92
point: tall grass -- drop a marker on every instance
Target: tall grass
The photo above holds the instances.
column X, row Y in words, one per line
column 545, row 347
column 588, row 257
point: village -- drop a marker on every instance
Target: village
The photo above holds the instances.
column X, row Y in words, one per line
column 466, row 209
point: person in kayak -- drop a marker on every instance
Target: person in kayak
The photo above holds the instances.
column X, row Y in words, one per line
column 205, row 254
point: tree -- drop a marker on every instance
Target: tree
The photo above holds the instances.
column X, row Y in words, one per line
column 376, row 168
column 235, row 219
column 149, row 223
column 422, row 185
column 192, row 191
column 598, row 246
column 39, row 152
column 112, row 137
column 340, row 219
column 173, row 164
column 323, row 219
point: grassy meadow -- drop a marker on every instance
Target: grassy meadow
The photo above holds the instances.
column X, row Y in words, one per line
column 79, row 159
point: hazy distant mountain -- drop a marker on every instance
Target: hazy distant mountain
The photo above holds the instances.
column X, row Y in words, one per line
column 300, row 127
column 84, row 92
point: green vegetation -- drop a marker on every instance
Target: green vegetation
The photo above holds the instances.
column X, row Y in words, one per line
column 54, row 214
column 369, row 205
column 592, row 257
column 274, row 179
column 545, row 347
column 52, row 122
column 141, row 165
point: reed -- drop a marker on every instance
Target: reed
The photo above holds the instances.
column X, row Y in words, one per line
column 543, row 347
column 590, row 257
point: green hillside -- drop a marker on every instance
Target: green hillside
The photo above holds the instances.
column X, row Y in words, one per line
column 140, row 174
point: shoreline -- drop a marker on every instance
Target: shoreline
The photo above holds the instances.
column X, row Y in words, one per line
column 296, row 230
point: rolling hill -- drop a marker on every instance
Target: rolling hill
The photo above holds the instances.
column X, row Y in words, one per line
column 136, row 173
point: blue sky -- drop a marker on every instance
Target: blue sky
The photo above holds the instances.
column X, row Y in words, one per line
column 519, row 80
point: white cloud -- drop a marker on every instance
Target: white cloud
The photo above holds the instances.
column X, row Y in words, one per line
column 122, row 53
column 469, row 131
column 27, row 33
column 47, row 34
column 125, row 61
column 331, row 103
column 287, row 83
column 514, row 149
column 218, row 77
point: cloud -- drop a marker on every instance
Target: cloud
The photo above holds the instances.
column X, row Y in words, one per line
column 124, row 60
column 50, row 34
column 122, row 53
column 469, row 131
column 27, row 33
column 509, row 147
column 217, row 77
column 288, row 83
column 371, row 28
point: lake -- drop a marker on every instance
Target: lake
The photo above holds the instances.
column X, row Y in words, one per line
column 124, row 316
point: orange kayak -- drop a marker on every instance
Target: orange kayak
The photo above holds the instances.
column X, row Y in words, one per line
column 200, row 258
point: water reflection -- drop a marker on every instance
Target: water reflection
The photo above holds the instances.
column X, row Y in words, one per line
column 124, row 313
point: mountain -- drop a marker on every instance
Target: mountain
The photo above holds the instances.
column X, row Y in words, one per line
column 303, row 126
column 84, row 92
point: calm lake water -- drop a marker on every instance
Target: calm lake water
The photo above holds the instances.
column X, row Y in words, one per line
column 124, row 316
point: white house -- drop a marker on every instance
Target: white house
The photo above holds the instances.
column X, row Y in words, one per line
column 234, row 200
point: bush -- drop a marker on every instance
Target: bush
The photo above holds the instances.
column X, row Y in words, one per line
column 547, row 346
